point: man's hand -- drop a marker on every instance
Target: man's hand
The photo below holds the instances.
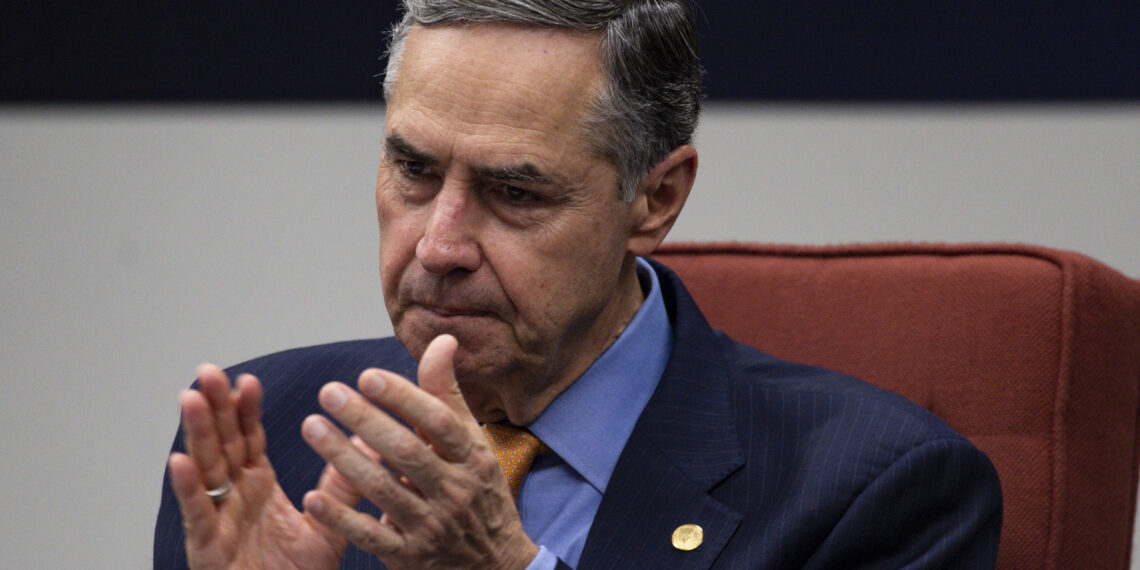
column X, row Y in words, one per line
column 445, row 500
column 254, row 525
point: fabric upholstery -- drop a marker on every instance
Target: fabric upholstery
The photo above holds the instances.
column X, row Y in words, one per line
column 1031, row 353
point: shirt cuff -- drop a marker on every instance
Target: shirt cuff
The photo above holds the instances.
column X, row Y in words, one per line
column 546, row 560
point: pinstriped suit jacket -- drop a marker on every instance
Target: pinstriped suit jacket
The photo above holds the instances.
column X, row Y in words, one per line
column 782, row 465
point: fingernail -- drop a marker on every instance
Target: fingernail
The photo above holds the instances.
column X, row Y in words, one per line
column 315, row 429
column 372, row 384
column 333, row 397
column 316, row 503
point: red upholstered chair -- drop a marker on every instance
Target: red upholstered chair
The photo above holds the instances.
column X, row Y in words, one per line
column 1031, row 353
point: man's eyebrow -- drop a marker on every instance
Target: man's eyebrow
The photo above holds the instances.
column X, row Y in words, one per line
column 526, row 172
column 397, row 145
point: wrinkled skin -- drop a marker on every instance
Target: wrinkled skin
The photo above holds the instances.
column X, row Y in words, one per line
column 507, row 262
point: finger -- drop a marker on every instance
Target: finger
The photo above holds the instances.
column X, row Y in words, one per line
column 249, row 416
column 436, row 373
column 336, row 485
column 375, row 456
column 451, row 434
column 223, row 402
column 365, row 448
column 364, row 474
column 199, row 514
column 367, row 533
column 401, row 448
column 333, row 484
column 200, row 435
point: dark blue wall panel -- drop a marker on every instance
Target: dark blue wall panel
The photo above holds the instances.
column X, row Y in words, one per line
column 57, row 51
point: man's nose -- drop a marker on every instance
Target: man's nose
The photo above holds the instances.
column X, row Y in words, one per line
column 449, row 240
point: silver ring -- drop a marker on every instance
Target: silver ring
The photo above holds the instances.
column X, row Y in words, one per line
column 218, row 494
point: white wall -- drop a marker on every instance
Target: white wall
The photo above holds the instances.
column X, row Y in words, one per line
column 138, row 242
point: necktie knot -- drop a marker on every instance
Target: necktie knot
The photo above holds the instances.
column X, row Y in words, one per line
column 515, row 448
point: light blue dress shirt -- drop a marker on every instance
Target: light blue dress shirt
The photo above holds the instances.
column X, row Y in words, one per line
column 587, row 426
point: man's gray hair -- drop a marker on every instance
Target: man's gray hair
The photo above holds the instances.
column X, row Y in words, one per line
column 651, row 98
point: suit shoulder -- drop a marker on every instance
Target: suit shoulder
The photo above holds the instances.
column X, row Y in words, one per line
column 387, row 348
column 314, row 365
column 838, row 399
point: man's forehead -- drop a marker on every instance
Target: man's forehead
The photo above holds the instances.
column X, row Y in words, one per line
column 534, row 57
column 509, row 33
column 520, row 91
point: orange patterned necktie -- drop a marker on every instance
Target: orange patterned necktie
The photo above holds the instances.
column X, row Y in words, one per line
column 515, row 448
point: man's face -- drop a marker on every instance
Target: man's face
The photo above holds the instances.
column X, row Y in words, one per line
column 498, row 225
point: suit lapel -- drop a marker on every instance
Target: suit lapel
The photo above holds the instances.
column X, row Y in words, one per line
column 684, row 443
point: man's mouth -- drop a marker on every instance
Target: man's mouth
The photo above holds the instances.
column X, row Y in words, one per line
column 446, row 311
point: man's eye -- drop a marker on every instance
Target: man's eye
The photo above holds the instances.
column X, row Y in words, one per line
column 517, row 195
column 412, row 168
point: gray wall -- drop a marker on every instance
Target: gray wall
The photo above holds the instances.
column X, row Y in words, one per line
column 138, row 242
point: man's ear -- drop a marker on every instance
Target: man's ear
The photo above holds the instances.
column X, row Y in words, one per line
column 660, row 197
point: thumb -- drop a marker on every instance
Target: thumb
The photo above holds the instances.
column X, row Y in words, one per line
column 436, row 373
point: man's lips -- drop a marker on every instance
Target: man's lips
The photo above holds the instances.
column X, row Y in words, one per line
column 444, row 311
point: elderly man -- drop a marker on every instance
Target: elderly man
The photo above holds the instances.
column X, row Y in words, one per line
column 534, row 153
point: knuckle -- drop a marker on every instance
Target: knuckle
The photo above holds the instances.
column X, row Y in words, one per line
column 439, row 419
column 486, row 466
column 406, row 449
column 371, row 542
column 377, row 486
column 459, row 497
column 235, row 447
column 216, row 474
column 433, row 530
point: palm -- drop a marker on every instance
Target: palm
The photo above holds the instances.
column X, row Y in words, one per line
column 255, row 525
column 258, row 527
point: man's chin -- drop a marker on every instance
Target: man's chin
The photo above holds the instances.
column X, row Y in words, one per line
column 477, row 350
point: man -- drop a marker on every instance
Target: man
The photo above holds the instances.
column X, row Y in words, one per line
column 533, row 154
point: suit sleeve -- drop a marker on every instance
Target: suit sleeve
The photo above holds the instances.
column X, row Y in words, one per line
column 936, row 506
column 169, row 539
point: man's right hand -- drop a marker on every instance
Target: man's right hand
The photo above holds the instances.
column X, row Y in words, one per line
column 254, row 525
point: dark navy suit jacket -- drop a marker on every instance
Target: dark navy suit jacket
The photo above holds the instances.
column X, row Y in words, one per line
column 782, row 465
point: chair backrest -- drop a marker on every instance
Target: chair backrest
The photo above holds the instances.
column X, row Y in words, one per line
column 1031, row 353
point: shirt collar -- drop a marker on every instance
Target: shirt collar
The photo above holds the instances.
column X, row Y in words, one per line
column 589, row 423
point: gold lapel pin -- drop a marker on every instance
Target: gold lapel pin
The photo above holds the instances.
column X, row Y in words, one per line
column 688, row 537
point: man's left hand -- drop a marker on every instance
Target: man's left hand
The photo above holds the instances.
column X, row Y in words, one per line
column 445, row 500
